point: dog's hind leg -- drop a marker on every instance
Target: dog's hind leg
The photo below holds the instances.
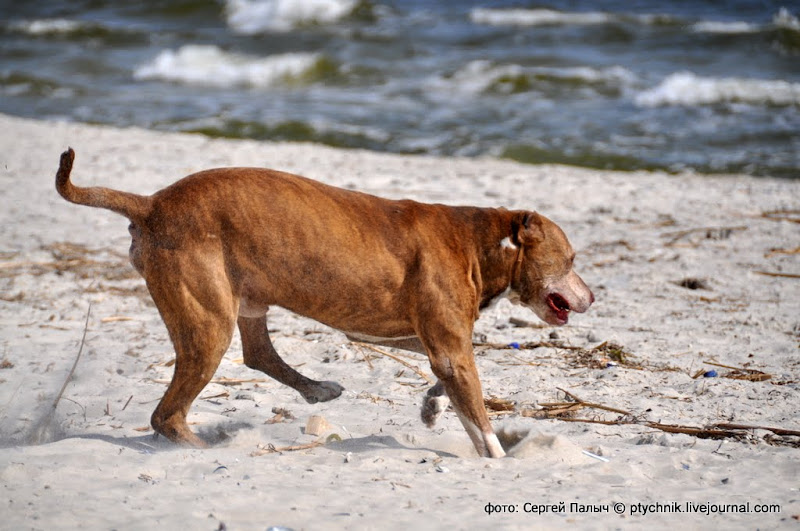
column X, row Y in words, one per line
column 199, row 315
column 259, row 354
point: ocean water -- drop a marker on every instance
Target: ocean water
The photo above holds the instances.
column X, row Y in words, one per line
column 704, row 85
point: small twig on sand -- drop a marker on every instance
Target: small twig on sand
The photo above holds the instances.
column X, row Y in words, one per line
column 78, row 357
column 366, row 358
column 272, row 449
column 115, row 319
column 39, row 433
column 782, row 215
column 128, row 402
column 715, row 364
column 591, row 405
column 777, row 274
column 776, row 251
column 398, row 360
column 715, row 233
column 776, row 431
column 740, row 373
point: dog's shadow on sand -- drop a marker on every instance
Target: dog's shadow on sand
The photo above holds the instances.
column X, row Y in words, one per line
column 371, row 443
column 215, row 436
column 221, row 436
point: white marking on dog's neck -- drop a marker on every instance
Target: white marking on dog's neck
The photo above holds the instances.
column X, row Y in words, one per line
column 506, row 243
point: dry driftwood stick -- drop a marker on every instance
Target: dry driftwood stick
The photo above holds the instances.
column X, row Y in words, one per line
column 398, row 360
column 702, row 433
column 592, row 405
column 555, row 409
column 776, row 431
column 782, row 215
column 777, row 251
column 777, row 274
column 714, row 432
column 597, row 421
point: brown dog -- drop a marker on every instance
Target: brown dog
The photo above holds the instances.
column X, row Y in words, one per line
column 219, row 247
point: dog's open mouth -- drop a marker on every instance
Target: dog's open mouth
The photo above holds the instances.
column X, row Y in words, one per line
column 559, row 305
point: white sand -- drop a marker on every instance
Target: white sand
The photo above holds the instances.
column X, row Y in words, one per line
column 98, row 467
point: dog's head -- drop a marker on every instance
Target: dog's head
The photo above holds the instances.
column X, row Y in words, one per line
column 543, row 278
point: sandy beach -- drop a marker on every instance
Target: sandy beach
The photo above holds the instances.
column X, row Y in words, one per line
column 673, row 402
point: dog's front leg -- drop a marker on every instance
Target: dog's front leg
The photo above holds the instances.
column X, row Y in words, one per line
column 455, row 368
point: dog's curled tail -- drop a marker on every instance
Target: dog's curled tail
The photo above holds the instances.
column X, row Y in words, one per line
column 134, row 207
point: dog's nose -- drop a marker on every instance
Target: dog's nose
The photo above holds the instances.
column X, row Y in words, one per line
column 585, row 301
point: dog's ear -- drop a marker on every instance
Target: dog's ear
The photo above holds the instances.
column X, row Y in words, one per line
column 527, row 229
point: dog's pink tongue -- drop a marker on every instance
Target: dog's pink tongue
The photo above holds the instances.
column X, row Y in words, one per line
column 559, row 305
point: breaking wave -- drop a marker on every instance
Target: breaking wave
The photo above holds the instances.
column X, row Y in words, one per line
column 688, row 89
column 711, row 26
column 535, row 17
column 77, row 30
column 783, row 20
column 256, row 16
column 47, row 26
column 208, row 65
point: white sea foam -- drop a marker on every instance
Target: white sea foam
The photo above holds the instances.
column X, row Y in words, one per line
column 477, row 76
column 256, row 16
column 209, row 65
column 535, row 17
column 711, row 26
column 611, row 74
column 46, row 26
column 782, row 19
column 550, row 17
column 688, row 89
column 785, row 20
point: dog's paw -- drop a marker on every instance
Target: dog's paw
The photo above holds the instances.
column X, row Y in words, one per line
column 432, row 408
column 322, row 392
